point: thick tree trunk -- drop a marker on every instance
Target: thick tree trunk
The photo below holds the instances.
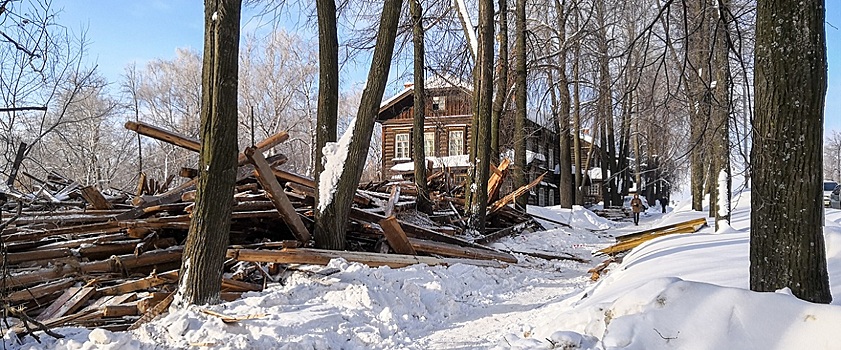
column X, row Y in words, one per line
column 786, row 240
column 501, row 96
column 520, row 111
column 419, row 155
column 698, row 99
column 334, row 215
column 328, row 103
column 204, row 253
column 576, row 123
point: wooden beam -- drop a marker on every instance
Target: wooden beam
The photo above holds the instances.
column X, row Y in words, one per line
column 164, row 135
column 322, row 257
column 143, row 283
column 120, row 310
column 496, row 178
column 513, row 195
column 396, row 237
column 629, row 244
column 392, row 200
column 287, row 212
column 452, row 250
column 40, row 291
column 72, row 300
column 693, row 222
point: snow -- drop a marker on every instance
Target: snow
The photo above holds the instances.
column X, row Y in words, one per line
column 437, row 163
column 468, row 25
column 683, row 291
column 334, row 156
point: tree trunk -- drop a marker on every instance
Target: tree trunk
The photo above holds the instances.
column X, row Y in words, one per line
column 698, row 57
column 721, row 118
column 483, row 112
column 786, row 240
column 605, row 111
column 423, row 203
column 565, row 179
column 520, row 101
column 328, row 103
column 204, row 253
column 576, row 123
column 501, row 96
column 334, row 215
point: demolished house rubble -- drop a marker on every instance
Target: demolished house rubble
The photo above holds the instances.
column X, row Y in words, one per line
column 76, row 257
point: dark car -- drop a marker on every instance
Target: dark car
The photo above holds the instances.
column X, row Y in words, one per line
column 828, row 187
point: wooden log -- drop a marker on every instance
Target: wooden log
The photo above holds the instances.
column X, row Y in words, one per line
column 147, row 303
column 153, row 312
column 452, row 250
column 71, row 300
column 229, row 285
column 101, row 251
column 39, row 291
column 415, row 231
column 693, row 222
column 277, row 196
column 396, row 237
column 120, row 310
column 188, row 173
column 44, row 256
column 322, row 257
column 105, row 228
column 143, row 283
column 129, row 262
column 95, row 198
column 164, row 135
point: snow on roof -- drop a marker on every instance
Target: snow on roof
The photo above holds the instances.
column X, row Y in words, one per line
column 596, row 174
column 434, row 82
column 437, row 163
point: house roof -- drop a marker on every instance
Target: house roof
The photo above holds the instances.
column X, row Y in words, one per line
column 404, row 98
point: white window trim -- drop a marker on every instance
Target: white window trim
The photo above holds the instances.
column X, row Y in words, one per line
column 397, row 155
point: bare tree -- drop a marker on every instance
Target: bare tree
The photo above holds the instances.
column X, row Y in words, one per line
column 200, row 279
column 334, row 213
column 328, row 98
column 423, row 202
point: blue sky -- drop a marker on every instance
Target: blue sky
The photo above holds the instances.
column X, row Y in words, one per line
column 121, row 32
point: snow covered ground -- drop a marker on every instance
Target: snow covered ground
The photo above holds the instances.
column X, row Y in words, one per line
column 677, row 292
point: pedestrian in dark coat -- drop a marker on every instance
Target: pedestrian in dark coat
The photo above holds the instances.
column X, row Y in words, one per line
column 637, row 207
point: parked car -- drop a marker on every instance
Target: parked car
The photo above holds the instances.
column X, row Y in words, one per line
column 835, row 198
column 828, row 187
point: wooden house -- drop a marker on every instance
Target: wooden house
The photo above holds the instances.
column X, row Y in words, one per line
column 447, row 137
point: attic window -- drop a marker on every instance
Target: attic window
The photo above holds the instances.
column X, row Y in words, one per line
column 438, row 103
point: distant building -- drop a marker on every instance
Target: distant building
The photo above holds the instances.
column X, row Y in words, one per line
column 447, row 138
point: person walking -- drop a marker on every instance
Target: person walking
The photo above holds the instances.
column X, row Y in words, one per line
column 636, row 206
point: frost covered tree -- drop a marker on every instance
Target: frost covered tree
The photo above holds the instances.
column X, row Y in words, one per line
column 786, row 241
column 200, row 279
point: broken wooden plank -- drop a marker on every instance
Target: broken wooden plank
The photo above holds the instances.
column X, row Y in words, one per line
column 44, row 256
column 322, row 257
column 277, row 196
column 40, row 291
column 164, row 135
column 232, row 319
column 396, row 237
column 627, row 245
column 95, row 198
column 496, row 178
column 513, row 195
column 143, row 283
column 392, row 200
column 153, row 312
column 72, row 299
column 693, row 222
column 120, row 310
column 451, row 250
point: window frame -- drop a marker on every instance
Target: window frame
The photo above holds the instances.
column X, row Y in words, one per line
column 398, row 142
column 460, row 140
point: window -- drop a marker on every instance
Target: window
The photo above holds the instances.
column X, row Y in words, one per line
column 429, row 143
column 456, row 145
column 438, row 103
column 551, row 197
column 541, row 197
column 551, row 158
column 401, row 146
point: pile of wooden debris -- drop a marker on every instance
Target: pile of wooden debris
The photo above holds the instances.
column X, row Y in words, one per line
column 73, row 256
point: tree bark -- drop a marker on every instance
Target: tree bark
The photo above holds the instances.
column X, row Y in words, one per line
column 333, row 220
column 501, row 96
column 423, row 203
column 698, row 99
column 483, row 113
column 721, row 118
column 328, row 100
column 204, row 253
column 786, row 240
column 520, row 108
column 566, row 195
